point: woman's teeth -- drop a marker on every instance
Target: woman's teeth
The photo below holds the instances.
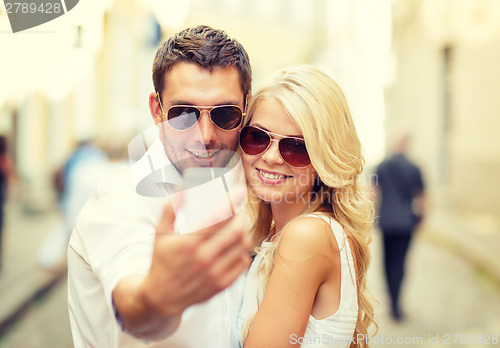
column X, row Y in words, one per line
column 271, row 176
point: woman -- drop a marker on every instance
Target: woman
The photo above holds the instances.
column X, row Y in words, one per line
column 302, row 159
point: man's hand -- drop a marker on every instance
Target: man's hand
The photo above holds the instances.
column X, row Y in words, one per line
column 185, row 270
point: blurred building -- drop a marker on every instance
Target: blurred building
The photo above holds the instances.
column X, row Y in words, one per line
column 78, row 77
column 445, row 91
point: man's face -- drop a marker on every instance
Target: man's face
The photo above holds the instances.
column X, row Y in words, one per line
column 203, row 144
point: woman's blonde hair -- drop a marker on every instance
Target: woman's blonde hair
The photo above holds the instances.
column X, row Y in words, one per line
column 318, row 107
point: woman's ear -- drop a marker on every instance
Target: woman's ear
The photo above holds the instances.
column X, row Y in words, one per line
column 317, row 182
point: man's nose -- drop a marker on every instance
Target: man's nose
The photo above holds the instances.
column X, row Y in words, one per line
column 207, row 128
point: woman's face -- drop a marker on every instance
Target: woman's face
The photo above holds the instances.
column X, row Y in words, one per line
column 271, row 178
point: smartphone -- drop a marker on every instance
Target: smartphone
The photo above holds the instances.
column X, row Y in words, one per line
column 210, row 195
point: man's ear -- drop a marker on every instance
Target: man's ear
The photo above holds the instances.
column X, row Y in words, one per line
column 155, row 108
column 247, row 100
column 245, row 107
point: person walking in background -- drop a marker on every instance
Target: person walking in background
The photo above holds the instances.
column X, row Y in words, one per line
column 400, row 190
column 85, row 152
column 6, row 172
column 3, row 187
column 85, row 168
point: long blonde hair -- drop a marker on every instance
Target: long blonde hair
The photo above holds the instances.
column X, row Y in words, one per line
column 318, row 107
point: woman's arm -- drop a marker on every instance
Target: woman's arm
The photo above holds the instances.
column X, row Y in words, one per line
column 303, row 262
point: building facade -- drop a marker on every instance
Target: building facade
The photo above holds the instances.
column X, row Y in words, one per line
column 445, row 92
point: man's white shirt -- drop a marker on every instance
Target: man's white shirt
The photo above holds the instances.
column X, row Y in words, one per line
column 113, row 238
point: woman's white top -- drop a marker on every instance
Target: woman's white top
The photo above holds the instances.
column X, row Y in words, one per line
column 335, row 331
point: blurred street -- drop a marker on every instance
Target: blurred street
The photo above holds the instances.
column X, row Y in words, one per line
column 44, row 324
column 444, row 294
column 33, row 300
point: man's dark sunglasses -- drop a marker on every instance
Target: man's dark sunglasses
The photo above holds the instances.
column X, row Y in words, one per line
column 254, row 141
column 226, row 117
column 182, row 117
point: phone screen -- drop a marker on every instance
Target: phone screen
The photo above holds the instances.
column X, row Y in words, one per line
column 210, row 195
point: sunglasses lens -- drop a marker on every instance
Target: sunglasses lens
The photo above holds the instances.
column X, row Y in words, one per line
column 253, row 140
column 226, row 117
column 294, row 152
column 182, row 117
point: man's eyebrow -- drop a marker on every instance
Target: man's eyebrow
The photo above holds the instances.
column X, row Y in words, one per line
column 285, row 135
column 179, row 102
column 184, row 102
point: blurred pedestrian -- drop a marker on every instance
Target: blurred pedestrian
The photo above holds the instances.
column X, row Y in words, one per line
column 74, row 189
column 400, row 190
column 6, row 172
column 86, row 152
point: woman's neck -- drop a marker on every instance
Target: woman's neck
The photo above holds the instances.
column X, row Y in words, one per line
column 284, row 212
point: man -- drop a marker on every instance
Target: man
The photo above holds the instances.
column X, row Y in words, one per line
column 401, row 189
column 131, row 280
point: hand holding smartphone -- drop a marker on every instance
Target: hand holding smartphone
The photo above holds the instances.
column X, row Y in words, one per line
column 210, row 195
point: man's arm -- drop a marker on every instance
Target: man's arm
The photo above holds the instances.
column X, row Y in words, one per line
column 419, row 205
column 419, row 199
column 137, row 317
column 185, row 270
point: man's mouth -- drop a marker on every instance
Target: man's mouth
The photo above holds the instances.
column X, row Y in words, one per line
column 203, row 154
column 204, row 157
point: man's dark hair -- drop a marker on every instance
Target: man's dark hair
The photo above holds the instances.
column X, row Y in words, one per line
column 209, row 48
